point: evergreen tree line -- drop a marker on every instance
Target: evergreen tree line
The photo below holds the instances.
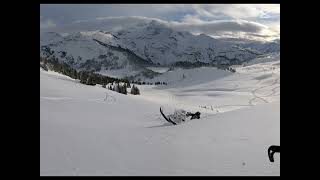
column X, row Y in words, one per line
column 85, row 77
column 141, row 83
column 118, row 88
column 160, row 83
column 43, row 67
column 122, row 88
column 231, row 69
column 148, row 83
column 226, row 68
column 188, row 65
column 63, row 68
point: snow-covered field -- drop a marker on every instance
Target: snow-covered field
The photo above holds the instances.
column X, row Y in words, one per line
column 86, row 130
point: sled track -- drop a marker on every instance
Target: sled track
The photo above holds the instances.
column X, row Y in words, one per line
column 256, row 97
column 273, row 92
column 254, row 92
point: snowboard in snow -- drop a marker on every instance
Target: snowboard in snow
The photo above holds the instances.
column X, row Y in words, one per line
column 168, row 119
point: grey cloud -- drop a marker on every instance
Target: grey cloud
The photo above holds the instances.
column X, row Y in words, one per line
column 107, row 24
column 110, row 23
column 46, row 23
column 67, row 13
column 220, row 27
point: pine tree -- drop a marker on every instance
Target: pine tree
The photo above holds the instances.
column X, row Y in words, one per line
column 135, row 90
column 124, row 91
column 117, row 88
column 128, row 85
column 88, row 80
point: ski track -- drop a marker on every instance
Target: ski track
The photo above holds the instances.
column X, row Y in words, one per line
column 250, row 102
column 254, row 92
column 108, row 99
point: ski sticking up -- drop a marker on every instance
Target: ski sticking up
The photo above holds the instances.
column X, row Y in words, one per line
column 168, row 119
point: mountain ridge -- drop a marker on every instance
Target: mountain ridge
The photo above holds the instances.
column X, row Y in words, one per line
column 148, row 44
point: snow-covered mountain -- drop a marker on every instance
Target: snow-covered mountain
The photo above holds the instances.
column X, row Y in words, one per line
column 82, row 51
column 148, row 44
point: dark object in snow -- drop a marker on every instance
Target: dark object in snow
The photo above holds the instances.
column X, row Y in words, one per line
column 271, row 150
column 179, row 116
column 194, row 115
column 168, row 119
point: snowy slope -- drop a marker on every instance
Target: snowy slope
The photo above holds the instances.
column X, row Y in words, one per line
column 212, row 90
column 270, row 57
column 83, row 52
column 83, row 130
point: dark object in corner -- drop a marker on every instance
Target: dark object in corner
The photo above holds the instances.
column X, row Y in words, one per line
column 271, row 150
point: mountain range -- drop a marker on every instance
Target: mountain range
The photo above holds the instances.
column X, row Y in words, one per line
column 129, row 51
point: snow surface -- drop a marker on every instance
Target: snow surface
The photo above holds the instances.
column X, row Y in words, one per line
column 89, row 130
column 158, row 69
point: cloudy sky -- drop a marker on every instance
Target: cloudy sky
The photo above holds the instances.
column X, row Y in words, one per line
column 251, row 21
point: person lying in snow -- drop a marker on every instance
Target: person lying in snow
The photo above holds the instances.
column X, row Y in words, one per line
column 194, row 116
column 178, row 116
column 181, row 115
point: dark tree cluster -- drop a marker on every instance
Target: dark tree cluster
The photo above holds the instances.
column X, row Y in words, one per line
column 226, row 68
column 85, row 77
column 231, row 69
column 187, row 65
column 160, row 83
column 119, row 88
column 59, row 67
column 135, row 90
column 128, row 84
column 95, row 78
column 44, row 67
column 136, row 82
column 141, row 83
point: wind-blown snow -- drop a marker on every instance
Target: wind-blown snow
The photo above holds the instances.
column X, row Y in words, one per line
column 89, row 130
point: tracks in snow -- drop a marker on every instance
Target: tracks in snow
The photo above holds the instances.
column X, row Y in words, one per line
column 108, row 98
column 256, row 96
column 254, row 92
